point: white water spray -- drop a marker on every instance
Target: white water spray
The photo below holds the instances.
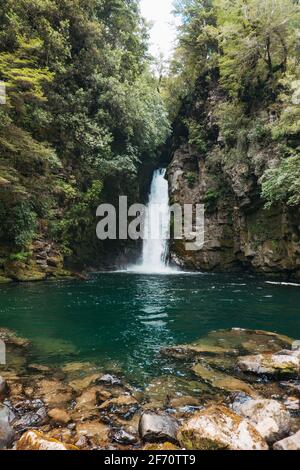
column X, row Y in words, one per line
column 157, row 226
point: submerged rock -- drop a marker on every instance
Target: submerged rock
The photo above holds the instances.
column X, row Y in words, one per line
column 280, row 364
column 54, row 392
column 10, row 338
column 158, row 428
column 269, row 417
column 59, row 416
column 95, row 432
column 222, row 381
column 290, row 443
column 230, row 342
column 33, row 440
column 218, row 428
column 80, row 384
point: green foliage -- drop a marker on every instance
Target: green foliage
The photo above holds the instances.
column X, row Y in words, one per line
column 282, row 184
column 83, row 114
column 197, row 135
column 237, row 79
column 191, row 179
column 22, row 256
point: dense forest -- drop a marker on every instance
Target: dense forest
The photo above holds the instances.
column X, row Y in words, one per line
column 233, row 95
column 83, row 117
column 86, row 118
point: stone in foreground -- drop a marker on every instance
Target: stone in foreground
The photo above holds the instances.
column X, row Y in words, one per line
column 280, row 364
column 218, row 428
column 290, row 443
column 269, row 417
column 6, row 432
column 158, row 428
column 33, row 440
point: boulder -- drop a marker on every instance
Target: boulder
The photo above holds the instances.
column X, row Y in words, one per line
column 158, row 428
column 33, row 440
column 218, row 428
column 269, row 417
column 280, row 364
column 6, row 432
column 290, row 443
column 222, row 381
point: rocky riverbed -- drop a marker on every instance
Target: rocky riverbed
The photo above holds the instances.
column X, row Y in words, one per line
column 240, row 391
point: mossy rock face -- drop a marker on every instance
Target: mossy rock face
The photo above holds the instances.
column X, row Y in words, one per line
column 5, row 280
column 23, row 272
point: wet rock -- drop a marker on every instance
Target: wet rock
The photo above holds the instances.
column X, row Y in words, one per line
column 10, row 338
column 292, row 403
column 3, row 388
column 59, row 416
column 230, row 342
column 291, row 387
column 29, row 414
column 80, row 384
column 269, row 417
column 87, row 403
column 158, row 428
column 162, row 446
column 124, row 406
column 290, row 443
column 6, row 432
column 95, row 432
column 182, row 402
column 108, row 379
column 23, row 272
column 276, row 365
column 222, row 381
column 33, row 440
column 54, row 392
column 163, row 389
column 123, row 437
column 188, row 351
column 38, row 368
column 218, row 428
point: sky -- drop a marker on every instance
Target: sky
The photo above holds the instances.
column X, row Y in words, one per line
column 163, row 32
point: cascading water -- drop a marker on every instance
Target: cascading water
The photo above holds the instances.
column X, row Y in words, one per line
column 157, row 226
column 155, row 248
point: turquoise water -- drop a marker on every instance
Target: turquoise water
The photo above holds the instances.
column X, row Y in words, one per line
column 121, row 320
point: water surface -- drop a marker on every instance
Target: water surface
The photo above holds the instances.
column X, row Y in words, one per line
column 121, row 320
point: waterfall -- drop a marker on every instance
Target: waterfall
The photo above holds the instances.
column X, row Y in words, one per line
column 157, row 226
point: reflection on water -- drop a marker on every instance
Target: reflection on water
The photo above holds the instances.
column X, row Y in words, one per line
column 122, row 320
